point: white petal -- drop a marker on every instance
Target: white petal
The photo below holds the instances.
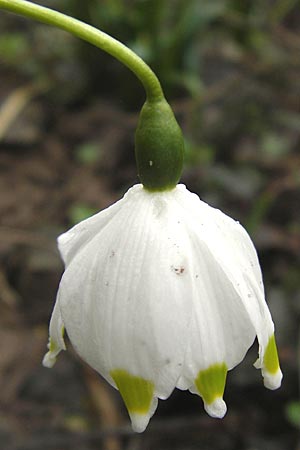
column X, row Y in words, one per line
column 220, row 315
column 125, row 295
column 220, row 332
column 56, row 332
column 235, row 255
column 72, row 241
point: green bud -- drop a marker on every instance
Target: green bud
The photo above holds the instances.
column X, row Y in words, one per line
column 159, row 147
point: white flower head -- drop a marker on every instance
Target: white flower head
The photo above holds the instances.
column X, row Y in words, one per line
column 161, row 291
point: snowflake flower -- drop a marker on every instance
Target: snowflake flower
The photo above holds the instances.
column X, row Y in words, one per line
column 161, row 291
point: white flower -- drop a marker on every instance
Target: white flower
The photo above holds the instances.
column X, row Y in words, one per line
column 162, row 291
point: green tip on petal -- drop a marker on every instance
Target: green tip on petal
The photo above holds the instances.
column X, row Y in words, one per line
column 54, row 349
column 137, row 394
column 271, row 369
column 271, row 361
column 50, row 358
column 210, row 384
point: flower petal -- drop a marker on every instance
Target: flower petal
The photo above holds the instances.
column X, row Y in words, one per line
column 220, row 332
column 235, row 255
column 73, row 240
column 270, row 366
column 210, row 384
column 56, row 337
column 138, row 396
column 125, row 297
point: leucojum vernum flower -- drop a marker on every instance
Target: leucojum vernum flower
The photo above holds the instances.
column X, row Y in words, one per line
column 160, row 290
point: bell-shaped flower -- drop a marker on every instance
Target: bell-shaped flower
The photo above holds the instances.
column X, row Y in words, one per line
column 161, row 291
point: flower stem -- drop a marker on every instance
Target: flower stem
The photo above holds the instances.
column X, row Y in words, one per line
column 159, row 145
column 93, row 36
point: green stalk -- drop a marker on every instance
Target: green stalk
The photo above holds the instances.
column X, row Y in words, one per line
column 93, row 36
column 159, row 145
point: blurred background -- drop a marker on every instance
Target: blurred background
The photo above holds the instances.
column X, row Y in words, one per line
column 231, row 71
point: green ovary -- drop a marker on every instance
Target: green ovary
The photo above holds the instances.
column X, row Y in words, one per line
column 271, row 362
column 210, row 382
column 136, row 392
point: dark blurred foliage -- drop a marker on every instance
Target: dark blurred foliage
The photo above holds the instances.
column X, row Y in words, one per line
column 231, row 70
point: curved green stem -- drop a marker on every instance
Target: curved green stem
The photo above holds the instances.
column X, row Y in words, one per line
column 159, row 142
column 93, row 36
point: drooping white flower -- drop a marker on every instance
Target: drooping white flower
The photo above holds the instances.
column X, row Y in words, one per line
column 161, row 291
